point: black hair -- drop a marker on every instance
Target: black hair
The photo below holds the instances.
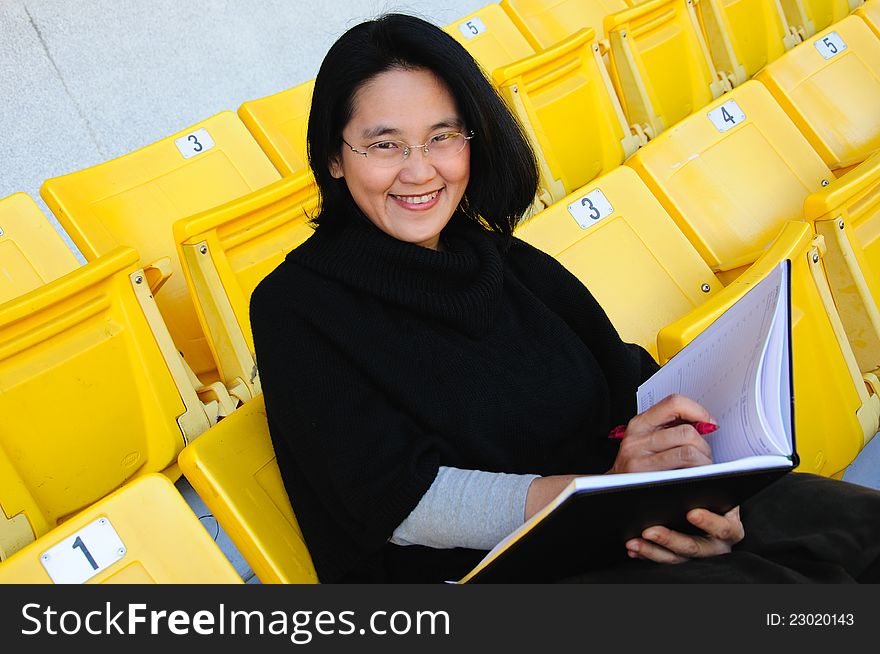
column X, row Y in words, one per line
column 504, row 175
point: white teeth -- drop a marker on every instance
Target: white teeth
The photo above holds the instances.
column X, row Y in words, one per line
column 417, row 199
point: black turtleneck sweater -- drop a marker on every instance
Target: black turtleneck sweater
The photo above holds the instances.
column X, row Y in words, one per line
column 381, row 361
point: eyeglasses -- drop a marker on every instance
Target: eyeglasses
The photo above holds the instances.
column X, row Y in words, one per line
column 387, row 154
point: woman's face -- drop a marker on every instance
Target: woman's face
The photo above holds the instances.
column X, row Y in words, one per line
column 413, row 199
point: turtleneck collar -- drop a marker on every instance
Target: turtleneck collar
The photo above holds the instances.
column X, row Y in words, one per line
column 460, row 285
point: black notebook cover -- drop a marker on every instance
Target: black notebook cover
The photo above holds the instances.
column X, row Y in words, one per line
column 589, row 529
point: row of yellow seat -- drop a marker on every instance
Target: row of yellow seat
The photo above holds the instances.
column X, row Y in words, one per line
column 651, row 67
column 128, row 404
column 93, row 393
column 631, row 70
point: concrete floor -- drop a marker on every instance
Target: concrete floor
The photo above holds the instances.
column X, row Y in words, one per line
column 865, row 470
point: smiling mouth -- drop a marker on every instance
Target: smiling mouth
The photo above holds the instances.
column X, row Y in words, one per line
column 417, row 200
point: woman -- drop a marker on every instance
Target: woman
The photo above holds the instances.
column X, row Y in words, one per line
column 431, row 381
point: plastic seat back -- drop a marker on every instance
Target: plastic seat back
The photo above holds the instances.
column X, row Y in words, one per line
column 616, row 238
column 731, row 175
column 279, row 123
column 660, row 64
column 847, row 214
column 830, row 87
column 491, row 37
column 545, row 22
column 32, row 252
column 806, row 17
column 135, row 199
column 870, row 13
column 744, row 35
column 88, row 392
column 233, row 469
column 564, row 98
column 143, row 533
column 835, row 414
column 228, row 250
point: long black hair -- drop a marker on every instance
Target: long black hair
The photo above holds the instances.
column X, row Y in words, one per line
column 504, row 175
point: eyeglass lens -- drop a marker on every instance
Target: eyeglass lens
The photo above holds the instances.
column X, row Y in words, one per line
column 440, row 146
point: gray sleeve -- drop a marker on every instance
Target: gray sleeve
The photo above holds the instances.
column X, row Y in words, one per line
column 466, row 508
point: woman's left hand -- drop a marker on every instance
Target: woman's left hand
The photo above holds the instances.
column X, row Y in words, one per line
column 664, row 545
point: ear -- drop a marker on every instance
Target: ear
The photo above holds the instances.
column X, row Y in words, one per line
column 336, row 168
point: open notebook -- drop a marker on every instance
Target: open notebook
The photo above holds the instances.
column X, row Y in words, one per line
column 739, row 368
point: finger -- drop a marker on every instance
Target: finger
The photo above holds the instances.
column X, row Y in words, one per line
column 678, row 436
column 674, row 408
column 684, row 545
column 727, row 528
column 643, row 549
column 638, row 451
column 686, row 456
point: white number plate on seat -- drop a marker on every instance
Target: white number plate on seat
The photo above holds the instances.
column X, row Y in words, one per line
column 590, row 209
column 726, row 116
column 195, row 143
column 81, row 556
column 472, row 28
column 830, row 45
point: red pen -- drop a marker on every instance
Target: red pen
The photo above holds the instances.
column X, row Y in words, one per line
column 702, row 428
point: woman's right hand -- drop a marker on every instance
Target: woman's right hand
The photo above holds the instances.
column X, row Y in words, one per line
column 663, row 438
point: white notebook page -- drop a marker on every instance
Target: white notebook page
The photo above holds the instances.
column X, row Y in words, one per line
column 721, row 370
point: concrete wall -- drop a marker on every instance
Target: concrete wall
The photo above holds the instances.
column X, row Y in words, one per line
column 84, row 81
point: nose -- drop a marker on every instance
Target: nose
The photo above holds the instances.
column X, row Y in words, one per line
column 417, row 168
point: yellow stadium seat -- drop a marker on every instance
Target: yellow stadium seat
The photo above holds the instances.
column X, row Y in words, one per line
column 92, row 393
column 545, row 22
column 233, row 469
column 564, row 98
column 491, row 37
column 836, row 413
column 228, row 250
column 847, row 214
column 744, row 35
column 870, row 13
column 830, row 87
column 731, row 175
column 660, row 64
column 279, row 123
column 613, row 232
column 616, row 238
column 32, row 252
column 143, row 533
column 135, row 199
column 806, row 17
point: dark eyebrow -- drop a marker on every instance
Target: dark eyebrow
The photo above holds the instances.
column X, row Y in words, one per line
column 384, row 130
column 380, row 130
column 455, row 122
